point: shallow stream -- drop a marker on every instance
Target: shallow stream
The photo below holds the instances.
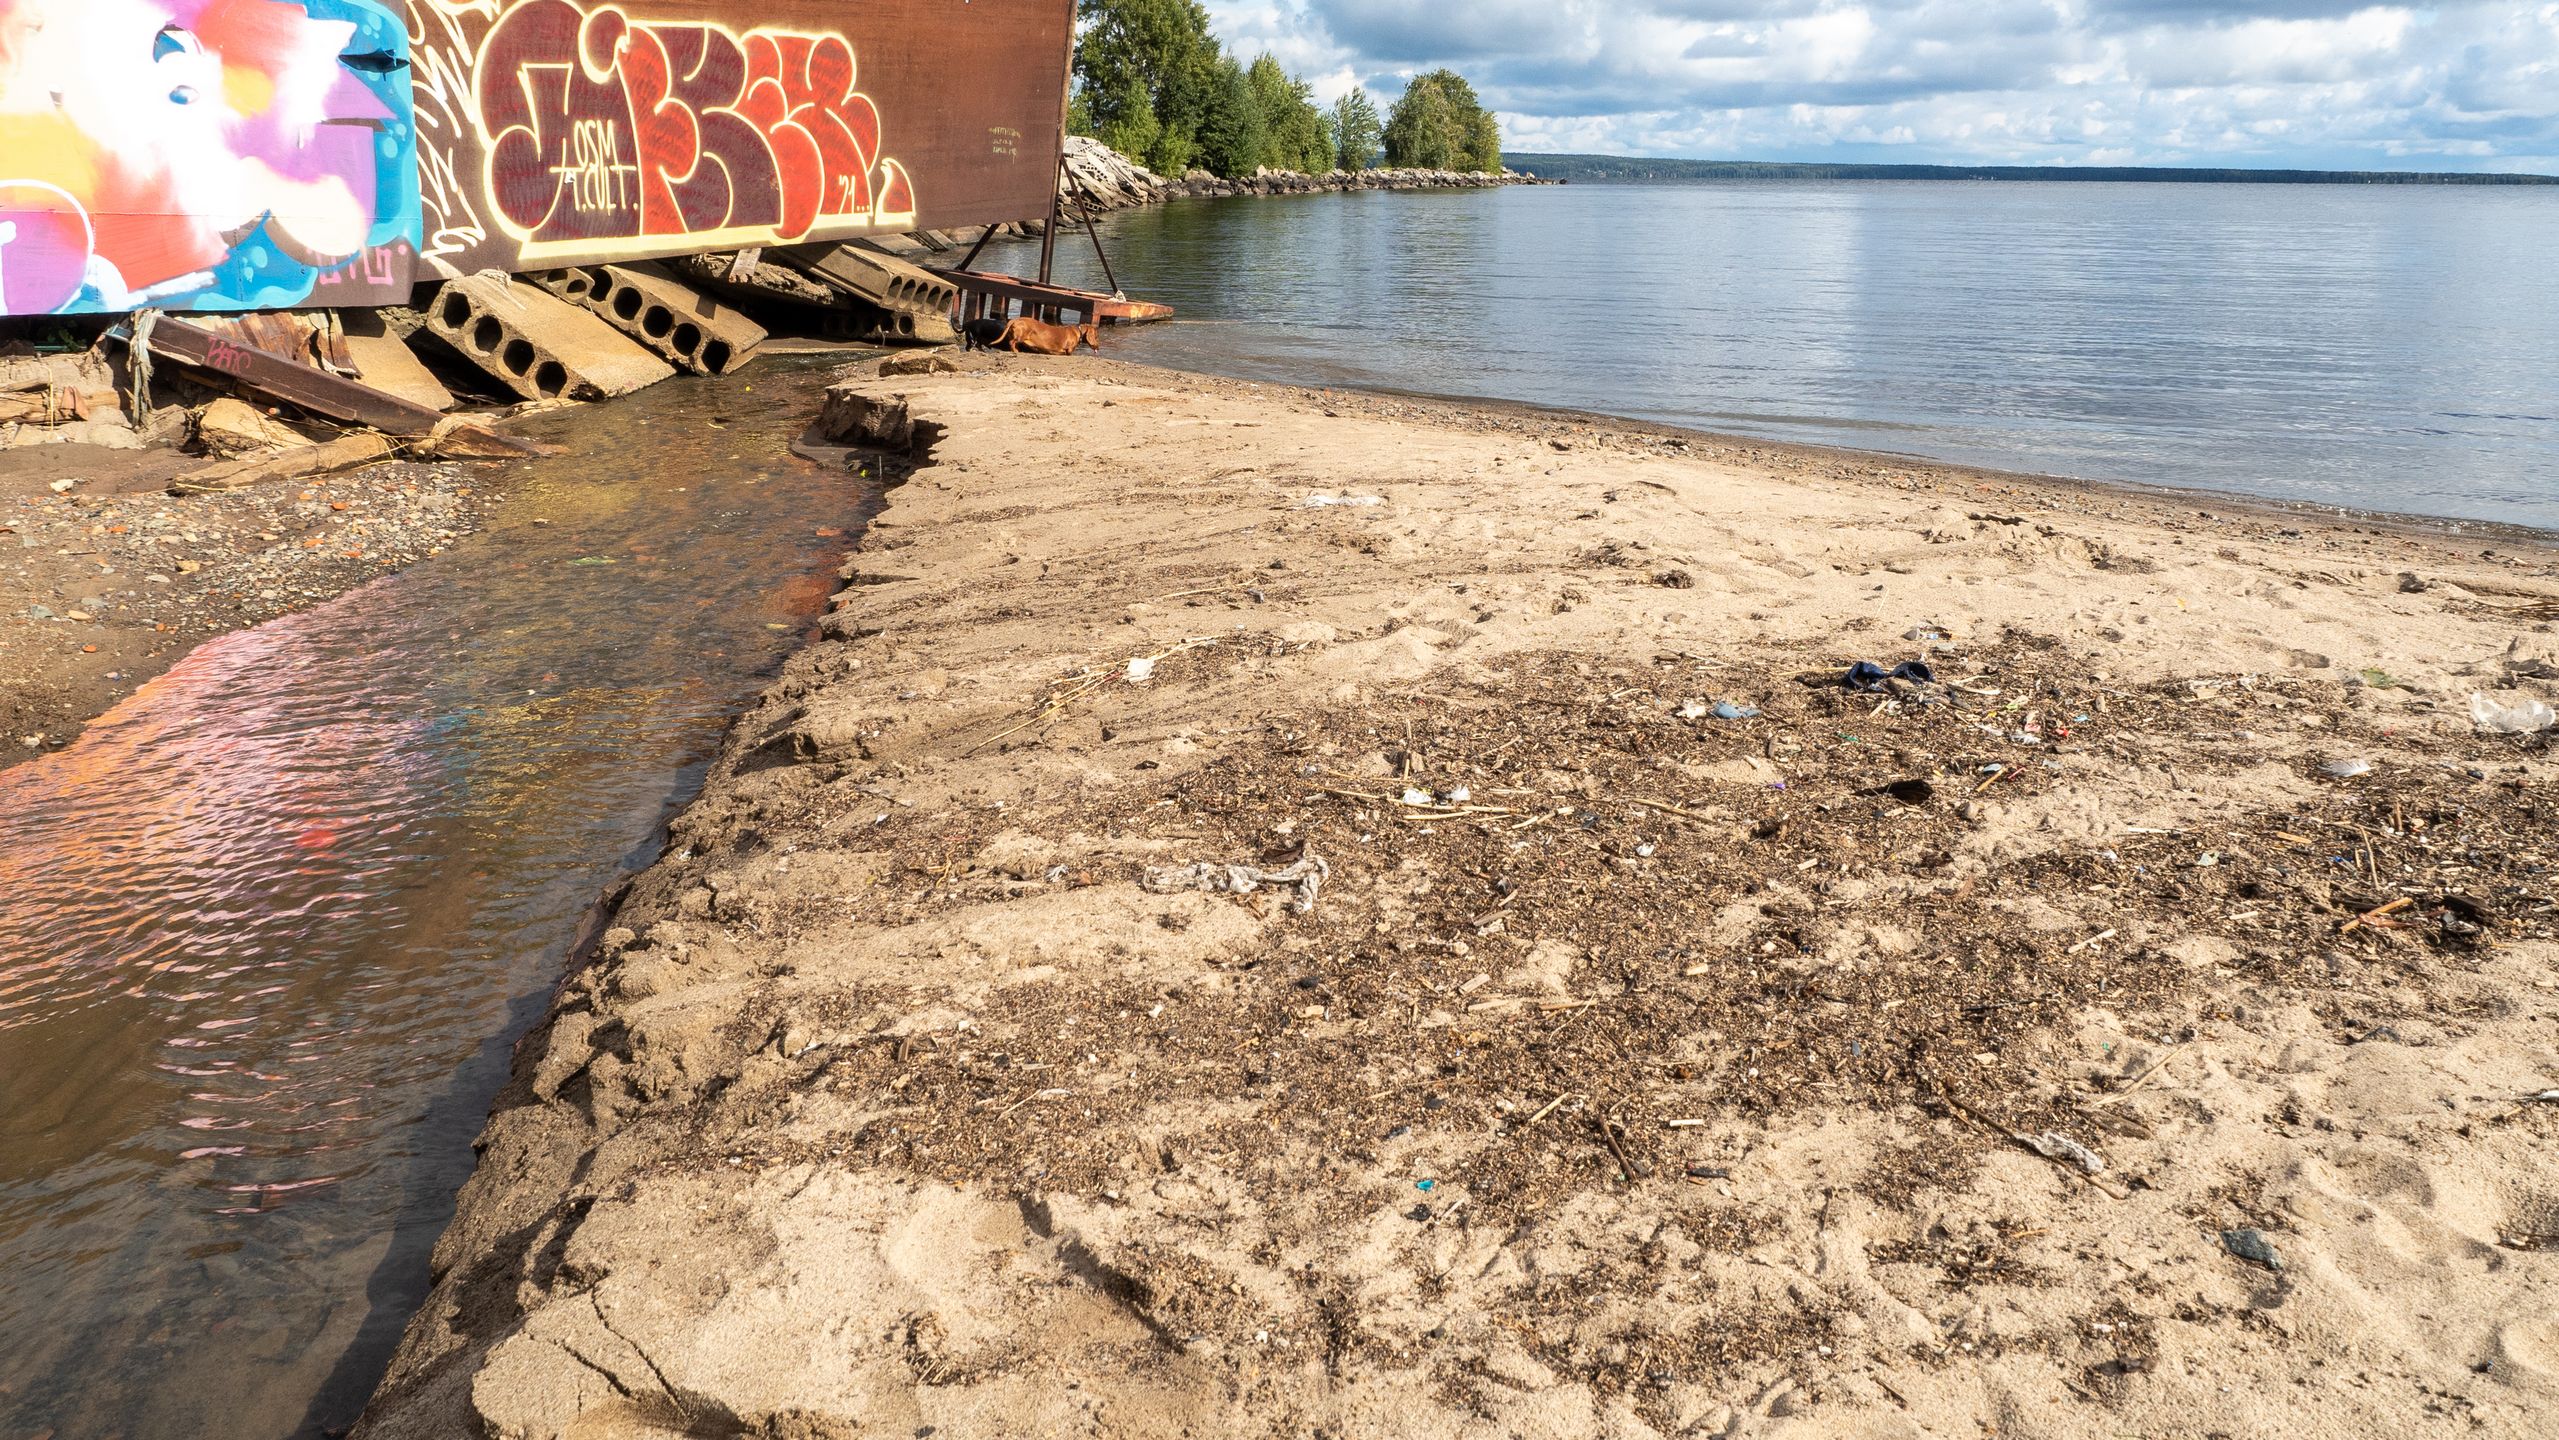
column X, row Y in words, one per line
column 268, row 930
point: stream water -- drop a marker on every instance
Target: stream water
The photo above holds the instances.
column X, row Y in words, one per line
column 268, row 929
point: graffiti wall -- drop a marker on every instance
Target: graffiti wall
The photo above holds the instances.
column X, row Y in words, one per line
column 204, row 154
column 266, row 154
column 566, row 131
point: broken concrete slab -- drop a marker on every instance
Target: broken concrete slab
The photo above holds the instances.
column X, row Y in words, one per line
column 852, row 418
column 107, row 432
column 538, row 345
column 684, row 327
column 810, row 303
column 382, row 359
column 918, row 301
column 759, row 282
column 57, row 389
column 926, row 362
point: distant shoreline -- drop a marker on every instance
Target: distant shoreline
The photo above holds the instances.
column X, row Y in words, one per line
column 1584, row 169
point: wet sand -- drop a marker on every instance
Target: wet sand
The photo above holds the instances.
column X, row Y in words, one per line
column 2058, row 1048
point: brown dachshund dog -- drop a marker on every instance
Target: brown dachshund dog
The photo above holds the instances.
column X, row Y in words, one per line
column 1044, row 339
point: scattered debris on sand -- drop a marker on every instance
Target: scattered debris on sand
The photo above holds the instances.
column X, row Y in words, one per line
column 1178, row 960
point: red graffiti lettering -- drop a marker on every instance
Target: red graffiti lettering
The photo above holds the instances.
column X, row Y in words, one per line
column 608, row 135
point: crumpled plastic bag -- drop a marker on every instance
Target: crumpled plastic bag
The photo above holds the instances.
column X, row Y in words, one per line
column 2061, row 1147
column 2529, row 718
column 1306, row 877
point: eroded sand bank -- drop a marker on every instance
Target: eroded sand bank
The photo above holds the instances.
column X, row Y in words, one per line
column 1635, row 1071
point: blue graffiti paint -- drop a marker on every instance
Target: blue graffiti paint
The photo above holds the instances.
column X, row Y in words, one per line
column 248, row 186
column 259, row 275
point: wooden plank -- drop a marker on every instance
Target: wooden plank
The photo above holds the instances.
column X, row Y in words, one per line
column 341, row 454
column 314, row 390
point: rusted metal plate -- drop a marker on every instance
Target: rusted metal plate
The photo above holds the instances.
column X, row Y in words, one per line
column 313, row 389
column 592, row 131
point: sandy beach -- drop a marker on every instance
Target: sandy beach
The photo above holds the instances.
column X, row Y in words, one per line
column 1298, row 914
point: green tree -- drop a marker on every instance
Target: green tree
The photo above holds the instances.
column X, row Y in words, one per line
column 1357, row 132
column 1483, row 144
column 1160, row 53
column 1440, row 124
column 1297, row 135
column 1133, row 129
column 1152, row 82
column 1233, row 140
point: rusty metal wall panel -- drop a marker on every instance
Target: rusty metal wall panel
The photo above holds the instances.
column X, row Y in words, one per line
column 563, row 132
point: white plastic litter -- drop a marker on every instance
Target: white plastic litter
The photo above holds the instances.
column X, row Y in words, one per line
column 2062, row 1147
column 2529, row 718
column 1140, row 670
column 1328, row 502
column 1306, row 877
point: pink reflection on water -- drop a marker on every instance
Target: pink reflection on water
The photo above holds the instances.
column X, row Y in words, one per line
column 252, row 835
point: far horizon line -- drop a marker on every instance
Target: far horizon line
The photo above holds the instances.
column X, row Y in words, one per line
column 1596, row 163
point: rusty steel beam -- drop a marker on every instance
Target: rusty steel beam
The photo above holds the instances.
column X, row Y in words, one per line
column 1006, row 290
column 312, row 389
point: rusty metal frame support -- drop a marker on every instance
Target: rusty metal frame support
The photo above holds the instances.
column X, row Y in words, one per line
column 1094, row 233
column 1048, row 232
column 970, row 263
column 311, row 388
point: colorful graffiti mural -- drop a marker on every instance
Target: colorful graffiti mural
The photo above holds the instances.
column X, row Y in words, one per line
column 270, row 154
column 203, row 154
column 604, row 134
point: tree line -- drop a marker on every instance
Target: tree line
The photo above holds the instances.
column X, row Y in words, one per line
column 1153, row 83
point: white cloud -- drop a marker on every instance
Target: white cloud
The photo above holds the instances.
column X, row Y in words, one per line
column 2461, row 84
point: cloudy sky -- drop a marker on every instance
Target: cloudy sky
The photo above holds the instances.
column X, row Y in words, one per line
column 2459, row 85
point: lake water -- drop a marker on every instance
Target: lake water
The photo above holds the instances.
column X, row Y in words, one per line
column 2392, row 348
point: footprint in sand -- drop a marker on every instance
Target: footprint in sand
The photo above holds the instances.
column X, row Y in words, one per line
column 2529, row 1349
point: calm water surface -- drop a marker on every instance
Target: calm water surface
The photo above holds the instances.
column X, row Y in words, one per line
column 267, row 929
column 2392, row 348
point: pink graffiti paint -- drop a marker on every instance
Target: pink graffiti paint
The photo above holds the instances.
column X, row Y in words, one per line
column 141, row 140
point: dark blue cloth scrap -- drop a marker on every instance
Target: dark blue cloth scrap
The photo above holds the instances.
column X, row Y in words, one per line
column 1868, row 676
